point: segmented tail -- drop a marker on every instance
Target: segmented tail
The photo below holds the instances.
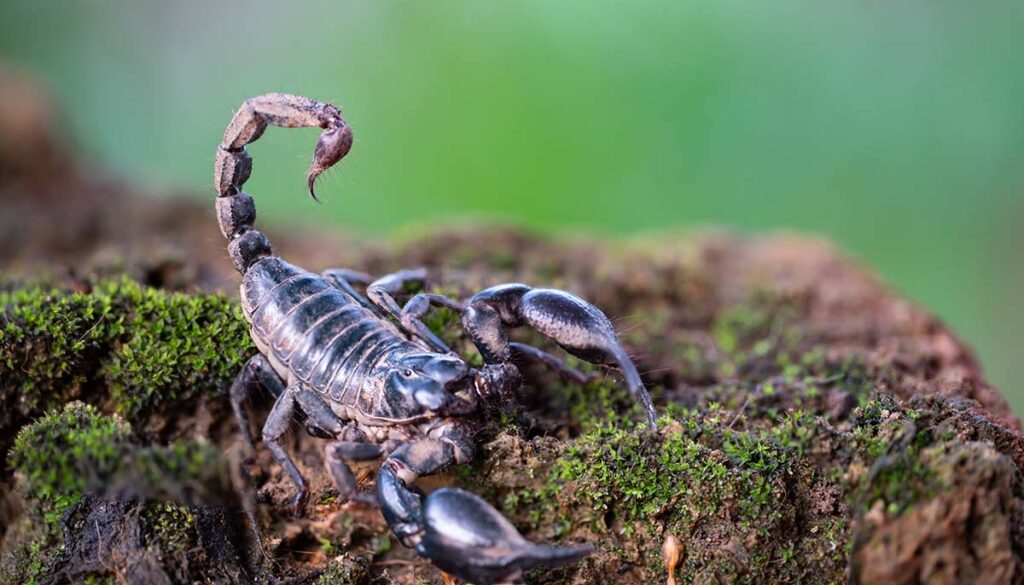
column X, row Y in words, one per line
column 236, row 211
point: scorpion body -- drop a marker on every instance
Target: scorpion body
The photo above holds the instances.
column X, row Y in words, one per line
column 320, row 337
column 367, row 374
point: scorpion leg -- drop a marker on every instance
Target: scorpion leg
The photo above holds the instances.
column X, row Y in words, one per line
column 574, row 324
column 324, row 423
column 414, row 310
column 382, row 293
column 459, row 532
column 342, row 279
column 417, row 307
column 255, row 372
column 335, row 457
column 321, row 422
column 320, row 419
column 276, row 425
column 529, row 352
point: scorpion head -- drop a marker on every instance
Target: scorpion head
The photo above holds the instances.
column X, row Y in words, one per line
column 425, row 381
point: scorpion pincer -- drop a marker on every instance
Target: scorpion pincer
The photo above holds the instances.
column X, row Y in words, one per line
column 367, row 374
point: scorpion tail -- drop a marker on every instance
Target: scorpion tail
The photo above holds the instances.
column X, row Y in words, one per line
column 236, row 211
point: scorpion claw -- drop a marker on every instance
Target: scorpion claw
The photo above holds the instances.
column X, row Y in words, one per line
column 457, row 531
column 465, row 536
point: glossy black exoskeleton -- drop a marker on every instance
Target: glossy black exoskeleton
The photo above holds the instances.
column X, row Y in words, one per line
column 369, row 375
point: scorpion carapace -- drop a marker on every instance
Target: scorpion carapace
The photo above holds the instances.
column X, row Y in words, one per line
column 366, row 373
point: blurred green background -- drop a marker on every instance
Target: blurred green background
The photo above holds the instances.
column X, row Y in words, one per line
column 896, row 129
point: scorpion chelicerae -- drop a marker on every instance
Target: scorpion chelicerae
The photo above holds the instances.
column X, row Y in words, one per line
column 367, row 373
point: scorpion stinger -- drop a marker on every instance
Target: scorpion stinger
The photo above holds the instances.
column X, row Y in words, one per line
column 233, row 164
column 364, row 372
column 333, row 145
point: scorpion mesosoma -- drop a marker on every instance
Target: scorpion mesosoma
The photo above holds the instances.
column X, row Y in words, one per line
column 369, row 375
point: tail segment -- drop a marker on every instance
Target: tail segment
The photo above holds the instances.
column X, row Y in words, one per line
column 236, row 211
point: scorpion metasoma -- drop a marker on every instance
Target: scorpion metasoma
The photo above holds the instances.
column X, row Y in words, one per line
column 367, row 374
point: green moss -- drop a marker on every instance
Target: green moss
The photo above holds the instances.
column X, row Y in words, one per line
column 171, row 525
column 51, row 343
column 55, row 460
column 57, row 457
column 710, row 475
column 899, row 452
column 851, row 374
column 755, row 325
column 444, row 322
column 71, row 451
column 35, row 563
column 738, row 326
column 794, row 380
column 599, row 402
column 141, row 347
column 75, row 450
column 796, row 430
column 736, row 466
column 99, row 579
column 757, row 334
column 177, row 346
column 902, row 483
column 637, row 476
column 347, row 569
column 188, row 470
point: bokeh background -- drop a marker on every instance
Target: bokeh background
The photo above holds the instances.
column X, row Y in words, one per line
column 895, row 129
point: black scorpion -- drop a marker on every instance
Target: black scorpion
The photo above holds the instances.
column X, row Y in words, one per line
column 369, row 375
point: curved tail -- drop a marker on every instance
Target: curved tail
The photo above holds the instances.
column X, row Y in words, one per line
column 236, row 211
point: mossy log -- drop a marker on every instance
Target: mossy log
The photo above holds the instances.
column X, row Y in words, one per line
column 816, row 428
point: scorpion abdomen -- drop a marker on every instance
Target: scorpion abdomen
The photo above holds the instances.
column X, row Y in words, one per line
column 262, row 278
column 320, row 334
column 319, row 337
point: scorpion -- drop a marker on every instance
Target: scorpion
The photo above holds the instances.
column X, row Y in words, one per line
column 367, row 374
